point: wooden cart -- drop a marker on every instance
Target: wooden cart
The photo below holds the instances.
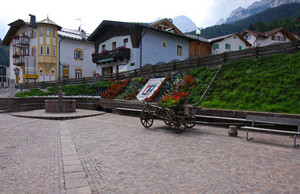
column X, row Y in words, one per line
column 178, row 119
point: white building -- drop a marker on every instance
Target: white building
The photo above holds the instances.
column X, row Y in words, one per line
column 125, row 46
column 276, row 36
column 230, row 42
column 76, row 54
column 36, row 48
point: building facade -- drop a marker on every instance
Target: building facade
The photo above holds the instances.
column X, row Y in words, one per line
column 75, row 54
column 227, row 43
column 36, row 48
column 276, row 36
column 122, row 46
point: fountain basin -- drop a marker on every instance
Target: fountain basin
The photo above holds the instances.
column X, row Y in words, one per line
column 57, row 106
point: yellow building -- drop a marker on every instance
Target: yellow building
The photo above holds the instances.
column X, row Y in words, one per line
column 35, row 55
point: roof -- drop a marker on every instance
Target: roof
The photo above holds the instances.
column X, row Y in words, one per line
column 220, row 38
column 73, row 34
column 166, row 25
column 49, row 22
column 197, row 38
column 270, row 33
column 15, row 26
column 62, row 32
column 131, row 26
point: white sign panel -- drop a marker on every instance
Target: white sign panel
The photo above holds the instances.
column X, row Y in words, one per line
column 149, row 88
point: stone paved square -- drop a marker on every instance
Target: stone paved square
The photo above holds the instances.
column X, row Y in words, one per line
column 118, row 155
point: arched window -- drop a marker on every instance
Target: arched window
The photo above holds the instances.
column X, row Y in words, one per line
column 41, row 75
column 52, row 75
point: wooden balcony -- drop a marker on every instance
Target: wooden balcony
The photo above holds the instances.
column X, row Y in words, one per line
column 111, row 56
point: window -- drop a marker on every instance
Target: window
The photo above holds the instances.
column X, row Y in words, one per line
column 113, row 45
column 54, row 32
column 240, row 48
column 227, row 46
column 48, row 50
column 179, row 50
column 215, row 46
column 125, row 42
column 78, row 54
column 165, row 44
column 234, row 37
column 41, row 31
column 54, row 51
column 278, row 38
column 78, row 73
column 47, row 31
column 52, row 75
column 103, row 47
column 41, row 50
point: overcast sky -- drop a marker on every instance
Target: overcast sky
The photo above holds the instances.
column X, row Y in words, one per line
column 204, row 13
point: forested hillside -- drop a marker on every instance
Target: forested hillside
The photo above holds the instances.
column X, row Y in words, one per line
column 4, row 55
column 283, row 16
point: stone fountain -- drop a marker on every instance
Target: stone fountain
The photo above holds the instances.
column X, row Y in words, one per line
column 60, row 105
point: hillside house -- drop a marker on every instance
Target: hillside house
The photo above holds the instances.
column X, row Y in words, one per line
column 123, row 46
column 276, row 36
column 226, row 43
column 36, row 48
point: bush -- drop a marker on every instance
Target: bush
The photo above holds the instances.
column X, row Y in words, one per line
column 32, row 92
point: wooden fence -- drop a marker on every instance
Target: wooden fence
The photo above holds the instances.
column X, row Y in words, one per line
column 210, row 61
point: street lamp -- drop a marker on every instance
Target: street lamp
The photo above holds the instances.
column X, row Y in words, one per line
column 198, row 32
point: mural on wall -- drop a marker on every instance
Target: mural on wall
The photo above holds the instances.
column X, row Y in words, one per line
column 151, row 86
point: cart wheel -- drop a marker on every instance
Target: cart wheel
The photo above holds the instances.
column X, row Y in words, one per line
column 146, row 118
column 190, row 124
column 167, row 121
column 179, row 125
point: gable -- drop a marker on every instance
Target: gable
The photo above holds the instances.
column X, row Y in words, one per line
column 166, row 25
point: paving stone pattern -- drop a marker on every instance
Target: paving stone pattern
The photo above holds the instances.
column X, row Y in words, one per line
column 29, row 156
column 115, row 154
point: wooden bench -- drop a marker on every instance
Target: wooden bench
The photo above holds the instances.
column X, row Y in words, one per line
column 272, row 120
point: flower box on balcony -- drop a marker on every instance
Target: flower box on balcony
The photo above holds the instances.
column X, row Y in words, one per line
column 120, row 48
column 104, row 52
column 16, row 55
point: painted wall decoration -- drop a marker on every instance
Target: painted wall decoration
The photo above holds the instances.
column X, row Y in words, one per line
column 149, row 88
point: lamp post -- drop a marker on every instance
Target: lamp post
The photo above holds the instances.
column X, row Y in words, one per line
column 198, row 32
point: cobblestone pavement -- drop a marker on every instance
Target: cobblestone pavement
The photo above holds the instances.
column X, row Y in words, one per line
column 121, row 156
column 118, row 155
column 29, row 155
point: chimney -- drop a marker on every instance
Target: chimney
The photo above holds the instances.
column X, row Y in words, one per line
column 83, row 34
column 32, row 21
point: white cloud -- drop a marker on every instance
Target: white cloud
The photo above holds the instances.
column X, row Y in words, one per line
column 63, row 12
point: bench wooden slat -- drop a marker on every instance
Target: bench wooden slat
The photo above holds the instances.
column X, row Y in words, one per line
column 216, row 117
column 271, row 130
column 129, row 109
column 273, row 120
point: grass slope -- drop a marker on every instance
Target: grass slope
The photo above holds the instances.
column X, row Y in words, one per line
column 270, row 84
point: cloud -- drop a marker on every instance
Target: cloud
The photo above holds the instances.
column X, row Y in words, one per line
column 202, row 12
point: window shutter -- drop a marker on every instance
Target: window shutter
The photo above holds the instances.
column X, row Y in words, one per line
column 74, row 54
column 81, row 55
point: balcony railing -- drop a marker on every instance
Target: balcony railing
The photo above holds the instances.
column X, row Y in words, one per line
column 111, row 56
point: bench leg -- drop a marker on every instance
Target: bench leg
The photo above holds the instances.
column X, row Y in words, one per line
column 248, row 139
column 295, row 145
